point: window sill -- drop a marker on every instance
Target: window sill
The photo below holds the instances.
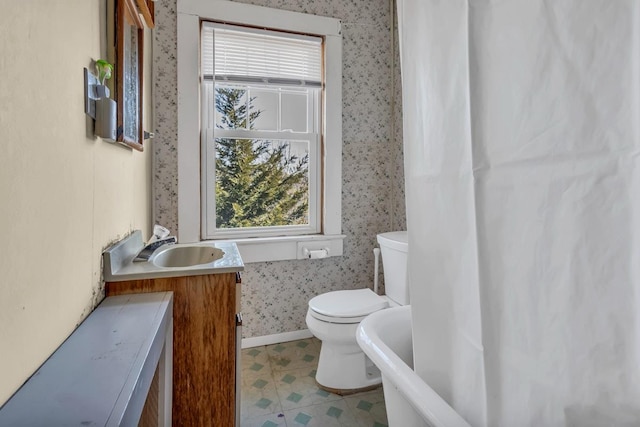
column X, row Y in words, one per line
column 263, row 249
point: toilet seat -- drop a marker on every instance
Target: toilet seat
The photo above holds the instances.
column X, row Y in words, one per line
column 346, row 306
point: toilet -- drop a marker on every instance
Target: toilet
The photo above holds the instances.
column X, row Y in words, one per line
column 333, row 318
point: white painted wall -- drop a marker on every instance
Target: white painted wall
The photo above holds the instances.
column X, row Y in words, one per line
column 65, row 195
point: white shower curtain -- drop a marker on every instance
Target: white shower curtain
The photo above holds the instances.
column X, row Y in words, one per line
column 523, row 194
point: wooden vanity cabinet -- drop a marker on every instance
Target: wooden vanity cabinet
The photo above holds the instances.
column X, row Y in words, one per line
column 204, row 344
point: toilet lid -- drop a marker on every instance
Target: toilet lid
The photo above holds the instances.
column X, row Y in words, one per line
column 352, row 303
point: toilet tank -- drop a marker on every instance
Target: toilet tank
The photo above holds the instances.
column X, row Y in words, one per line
column 393, row 246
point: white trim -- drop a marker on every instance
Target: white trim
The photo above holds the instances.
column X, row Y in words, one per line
column 240, row 13
column 188, row 128
column 276, row 338
column 189, row 141
column 262, row 249
column 265, row 134
column 332, row 215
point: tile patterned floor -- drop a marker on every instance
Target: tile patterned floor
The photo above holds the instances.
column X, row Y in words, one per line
column 279, row 389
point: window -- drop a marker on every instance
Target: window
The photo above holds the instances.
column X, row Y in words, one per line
column 261, row 97
column 267, row 108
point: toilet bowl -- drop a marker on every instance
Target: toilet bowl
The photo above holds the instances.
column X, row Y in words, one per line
column 333, row 318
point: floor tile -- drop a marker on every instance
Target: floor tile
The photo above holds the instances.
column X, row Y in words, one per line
column 279, row 389
column 253, row 357
column 259, row 396
column 368, row 408
column 297, row 388
column 315, row 341
column 271, row 420
column 328, row 414
column 293, row 355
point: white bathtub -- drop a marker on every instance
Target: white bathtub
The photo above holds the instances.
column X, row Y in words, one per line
column 385, row 336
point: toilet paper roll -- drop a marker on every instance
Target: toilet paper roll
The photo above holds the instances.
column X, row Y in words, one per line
column 317, row 254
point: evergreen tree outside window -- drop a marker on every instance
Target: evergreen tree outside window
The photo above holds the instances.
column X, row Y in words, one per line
column 261, row 99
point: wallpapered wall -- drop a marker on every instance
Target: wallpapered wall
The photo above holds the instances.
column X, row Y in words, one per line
column 275, row 294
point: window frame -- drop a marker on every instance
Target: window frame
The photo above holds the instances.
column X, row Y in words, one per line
column 190, row 14
column 312, row 136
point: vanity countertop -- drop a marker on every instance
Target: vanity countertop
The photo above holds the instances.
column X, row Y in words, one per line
column 119, row 265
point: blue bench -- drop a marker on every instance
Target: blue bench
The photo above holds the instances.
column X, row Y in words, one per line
column 102, row 374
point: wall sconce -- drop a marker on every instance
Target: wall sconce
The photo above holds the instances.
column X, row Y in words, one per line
column 97, row 103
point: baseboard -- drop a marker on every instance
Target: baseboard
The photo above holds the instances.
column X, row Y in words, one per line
column 276, row 338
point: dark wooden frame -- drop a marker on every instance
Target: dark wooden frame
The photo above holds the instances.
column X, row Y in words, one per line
column 130, row 15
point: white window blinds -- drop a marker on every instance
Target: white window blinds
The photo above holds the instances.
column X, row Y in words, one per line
column 248, row 55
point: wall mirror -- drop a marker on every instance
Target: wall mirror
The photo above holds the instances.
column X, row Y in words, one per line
column 127, row 20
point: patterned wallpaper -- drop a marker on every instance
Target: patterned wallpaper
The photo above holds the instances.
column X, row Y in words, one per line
column 275, row 294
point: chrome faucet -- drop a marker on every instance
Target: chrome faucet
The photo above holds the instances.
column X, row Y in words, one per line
column 148, row 250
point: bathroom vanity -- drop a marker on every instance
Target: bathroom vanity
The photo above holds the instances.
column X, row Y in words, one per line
column 205, row 334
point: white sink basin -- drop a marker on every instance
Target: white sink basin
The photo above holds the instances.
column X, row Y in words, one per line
column 177, row 260
column 186, row 256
